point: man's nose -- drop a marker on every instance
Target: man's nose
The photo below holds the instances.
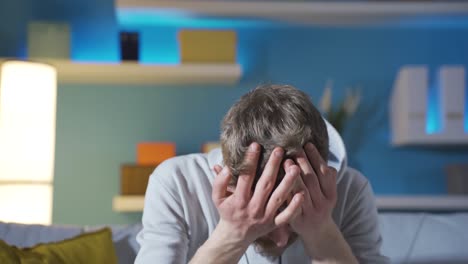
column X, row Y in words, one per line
column 280, row 235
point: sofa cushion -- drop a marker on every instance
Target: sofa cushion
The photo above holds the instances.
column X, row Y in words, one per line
column 14, row 255
column 124, row 237
column 95, row 247
column 425, row 238
column 441, row 239
column 28, row 235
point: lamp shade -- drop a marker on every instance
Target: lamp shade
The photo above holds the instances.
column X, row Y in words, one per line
column 26, row 203
column 28, row 94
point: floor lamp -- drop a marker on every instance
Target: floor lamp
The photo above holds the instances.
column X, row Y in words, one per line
column 28, row 94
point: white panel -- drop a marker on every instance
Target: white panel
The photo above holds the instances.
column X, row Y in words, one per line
column 416, row 93
column 409, row 104
column 28, row 94
column 452, row 99
column 29, row 204
column 417, row 89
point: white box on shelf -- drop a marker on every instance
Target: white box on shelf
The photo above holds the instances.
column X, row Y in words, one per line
column 452, row 100
column 49, row 40
column 408, row 105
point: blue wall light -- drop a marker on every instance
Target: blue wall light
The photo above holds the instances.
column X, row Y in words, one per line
column 158, row 35
column 434, row 122
column 95, row 40
column 158, row 28
column 159, row 45
column 165, row 17
column 434, row 119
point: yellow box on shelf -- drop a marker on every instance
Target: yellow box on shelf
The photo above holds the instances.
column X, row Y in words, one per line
column 207, row 46
column 209, row 146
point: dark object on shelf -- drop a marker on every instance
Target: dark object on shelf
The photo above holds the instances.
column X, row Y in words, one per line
column 457, row 179
column 129, row 46
column 134, row 178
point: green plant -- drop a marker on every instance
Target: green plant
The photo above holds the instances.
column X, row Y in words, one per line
column 339, row 115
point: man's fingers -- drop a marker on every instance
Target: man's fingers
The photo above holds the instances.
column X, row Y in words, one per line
column 309, row 176
column 287, row 163
column 220, row 184
column 217, row 169
column 314, row 157
column 267, row 181
column 282, row 192
column 247, row 176
column 329, row 175
column 293, row 209
column 299, row 185
column 324, row 173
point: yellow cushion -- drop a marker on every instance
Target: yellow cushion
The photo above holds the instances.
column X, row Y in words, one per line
column 89, row 248
column 14, row 255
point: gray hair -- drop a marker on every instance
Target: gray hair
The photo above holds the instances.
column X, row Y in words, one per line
column 273, row 116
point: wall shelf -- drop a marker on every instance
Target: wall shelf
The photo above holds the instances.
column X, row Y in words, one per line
column 309, row 12
column 128, row 203
column 423, row 203
column 434, row 140
column 134, row 73
column 70, row 72
column 135, row 203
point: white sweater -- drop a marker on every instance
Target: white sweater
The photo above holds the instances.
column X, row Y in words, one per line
column 179, row 214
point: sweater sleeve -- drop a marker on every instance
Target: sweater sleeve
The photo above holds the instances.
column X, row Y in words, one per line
column 361, row 228
column 164, row 236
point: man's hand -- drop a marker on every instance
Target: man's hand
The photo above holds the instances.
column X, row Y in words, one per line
column 246, row 216
column 322, row 238
column 318, row 182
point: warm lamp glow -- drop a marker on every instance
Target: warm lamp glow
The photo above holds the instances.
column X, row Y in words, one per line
column 28, row 93
column 26, row 203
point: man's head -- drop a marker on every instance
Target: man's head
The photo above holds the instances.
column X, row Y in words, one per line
column 273, row 116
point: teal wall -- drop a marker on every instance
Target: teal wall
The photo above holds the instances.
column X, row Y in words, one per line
column 98, row 127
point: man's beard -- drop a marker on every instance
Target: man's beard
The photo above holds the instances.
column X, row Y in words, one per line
column 268, row 249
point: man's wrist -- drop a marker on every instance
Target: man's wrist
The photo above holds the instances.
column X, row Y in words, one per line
column 224, row 245
column 317, row 238
column 327, row 243
column 230, row 237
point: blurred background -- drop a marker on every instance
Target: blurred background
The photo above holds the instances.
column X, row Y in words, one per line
column 98, row 126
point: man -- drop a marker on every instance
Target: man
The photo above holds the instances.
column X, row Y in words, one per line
column 278, row 193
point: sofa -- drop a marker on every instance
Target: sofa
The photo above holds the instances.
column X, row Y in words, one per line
column 415, row 238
